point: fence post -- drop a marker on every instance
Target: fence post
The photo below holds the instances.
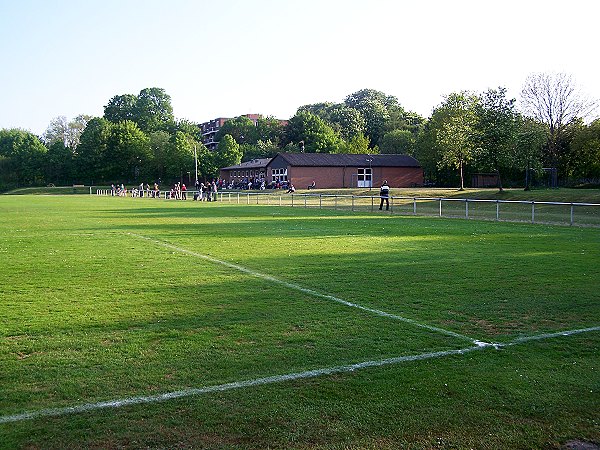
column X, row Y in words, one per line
column 320, row 200
column 440, row 207
column 415, row 206
column 304, row 201
column 279, row 199
column 391, row 205
column 467, row 208
column 571, row 214
column 532, row 212
column 372, row 203
column 335, row 203
column 248, row 198
column 497, row 209
column 353, row 203
column 292, row 200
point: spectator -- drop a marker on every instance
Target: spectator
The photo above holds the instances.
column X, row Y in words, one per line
column 384, row 194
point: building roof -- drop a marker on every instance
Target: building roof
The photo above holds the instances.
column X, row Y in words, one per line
column 253, row 164
column 348, row 160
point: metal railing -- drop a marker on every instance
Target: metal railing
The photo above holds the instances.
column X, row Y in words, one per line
column 579, row 214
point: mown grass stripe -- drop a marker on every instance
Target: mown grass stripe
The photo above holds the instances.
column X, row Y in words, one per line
column 311, row 291
column 275, row 379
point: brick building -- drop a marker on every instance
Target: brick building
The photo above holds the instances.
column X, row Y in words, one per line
column 330, row 171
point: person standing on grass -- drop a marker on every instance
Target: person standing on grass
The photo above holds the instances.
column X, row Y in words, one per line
column 384, row 194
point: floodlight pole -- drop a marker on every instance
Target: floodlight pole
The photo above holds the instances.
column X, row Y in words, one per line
column 196, row 161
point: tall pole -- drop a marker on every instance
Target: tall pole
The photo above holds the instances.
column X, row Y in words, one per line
column 196, row 161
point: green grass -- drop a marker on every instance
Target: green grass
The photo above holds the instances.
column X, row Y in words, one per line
column 90, row 312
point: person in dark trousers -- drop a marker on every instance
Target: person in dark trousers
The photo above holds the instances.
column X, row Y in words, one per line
column 384, row 194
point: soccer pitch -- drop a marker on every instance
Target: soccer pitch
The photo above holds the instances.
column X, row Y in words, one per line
column 163, row 324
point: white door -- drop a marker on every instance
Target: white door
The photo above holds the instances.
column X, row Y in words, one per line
column 364, row 178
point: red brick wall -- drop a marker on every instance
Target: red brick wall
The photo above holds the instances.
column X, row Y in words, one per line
column 339, row 177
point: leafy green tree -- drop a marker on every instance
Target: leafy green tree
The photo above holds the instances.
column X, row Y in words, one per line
column 269, row 129
column 121, row 107
column 241, row 129
column 160, row 146
column 92, row 159
column 358, row 144
column 188, row 127
column 311, row 133
column 129, row 152
column 345, row 120
column 374, row 106
column 59, row 165
column 496, row 129
column 228, row 152
column 180, row 157
column 586, row 152
column 207, row 167
column 153, row 110
column 22, row 157
column 531, row 139
column 456, row 136
column 262, row 149
column 398, row 141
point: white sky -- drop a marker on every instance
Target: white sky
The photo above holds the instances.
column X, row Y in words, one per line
column 230, row 57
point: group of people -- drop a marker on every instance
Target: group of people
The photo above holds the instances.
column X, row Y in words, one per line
column 143, row 190
column 206, row 192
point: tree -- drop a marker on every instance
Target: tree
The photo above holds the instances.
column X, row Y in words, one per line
column 398, row 141
column 92, row 160
column 22, row 157
column 240, row 128
column 160, row 146
column 586, row 152
column 496, row 129
column 68, row 133
column 59, row 164
column 129, row 152
column 153, row 110
column 206, row 163
column 314, row 134
column 530, row 140
column 555, row 100
column 180, row 156
column 345, row 120
column 262, row 149
column 228, row 152
column 121, row 107
column 358, row 144
column 373, row 106
column 457, row 133
column 269, row 129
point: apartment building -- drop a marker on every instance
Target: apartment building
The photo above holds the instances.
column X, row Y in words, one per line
column 212, row 127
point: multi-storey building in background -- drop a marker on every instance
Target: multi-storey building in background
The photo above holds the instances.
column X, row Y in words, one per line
column 212, row 127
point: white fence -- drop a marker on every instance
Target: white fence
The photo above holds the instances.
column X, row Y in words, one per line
column 580, row 214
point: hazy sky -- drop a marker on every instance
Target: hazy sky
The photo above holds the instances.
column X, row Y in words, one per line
column 224, row 58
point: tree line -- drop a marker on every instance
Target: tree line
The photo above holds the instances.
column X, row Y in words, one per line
column 138, row 138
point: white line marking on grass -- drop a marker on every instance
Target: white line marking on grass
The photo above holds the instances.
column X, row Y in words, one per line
column 50, row 412
column 226, row 387
column 539, row 337
column 310, row 291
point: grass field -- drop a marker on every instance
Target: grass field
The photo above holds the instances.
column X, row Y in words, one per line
column 236, row 326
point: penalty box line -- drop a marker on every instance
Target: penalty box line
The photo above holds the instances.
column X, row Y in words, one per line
column 310, row 291
column 88, row 407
